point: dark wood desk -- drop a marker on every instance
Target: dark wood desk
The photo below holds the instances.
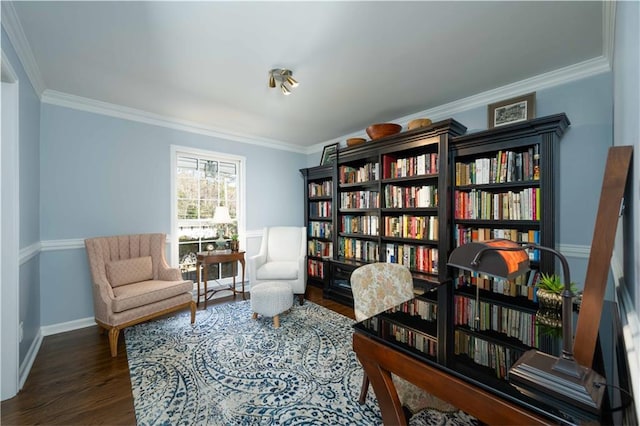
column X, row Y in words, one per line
column 380, row 360
column 484, row 396
column 208, row 257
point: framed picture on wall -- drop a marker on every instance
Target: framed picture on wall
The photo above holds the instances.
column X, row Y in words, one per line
column 512, row 110
column 329, row 154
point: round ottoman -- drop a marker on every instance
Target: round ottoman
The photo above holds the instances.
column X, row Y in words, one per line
column 271, row 299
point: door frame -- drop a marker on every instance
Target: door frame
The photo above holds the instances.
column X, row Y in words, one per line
column 10, row 231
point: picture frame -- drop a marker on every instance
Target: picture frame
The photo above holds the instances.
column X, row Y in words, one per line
column 329, row 154
column 520, row 108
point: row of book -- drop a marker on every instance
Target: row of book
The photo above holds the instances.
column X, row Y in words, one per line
column 464, row 235
column 409, row 226
column 319, row 248
column 423, row 309
column 315, row 268
column 320, row 229
column 398, row 197
column 422, row 342
column 368, row 225
column 355, row 249
column 323, row 189
column 501, row 319
column 365, row 173
column 505, row 166
column 360, row 200
column 422, row 164
column 320, row 209
column 512, row 205
column 492, row 355
column 523, row 285
column 417, row 258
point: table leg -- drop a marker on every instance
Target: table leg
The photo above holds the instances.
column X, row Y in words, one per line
column 242, row 263
column 234, row 271
column 204, row 273
column 198, row 280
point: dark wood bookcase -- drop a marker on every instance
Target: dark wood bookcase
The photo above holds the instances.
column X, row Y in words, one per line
column 319, row 190
column 412, row 197
column 503, row 186
column 390, row 206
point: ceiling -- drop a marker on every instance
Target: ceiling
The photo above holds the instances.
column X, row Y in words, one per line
column 207, row 63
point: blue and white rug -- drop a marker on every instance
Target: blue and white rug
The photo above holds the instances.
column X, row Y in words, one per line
column 231, row 370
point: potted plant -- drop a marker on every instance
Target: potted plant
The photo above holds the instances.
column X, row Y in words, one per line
column 234, row 244
column 549, row 291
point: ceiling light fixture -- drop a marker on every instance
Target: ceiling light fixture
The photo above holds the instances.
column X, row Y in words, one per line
column 283, row 77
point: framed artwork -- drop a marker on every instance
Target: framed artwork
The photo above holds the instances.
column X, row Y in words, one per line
column 512, row 110
column 329, row 154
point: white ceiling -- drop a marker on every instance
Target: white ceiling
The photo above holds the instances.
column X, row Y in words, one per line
column 207, row 63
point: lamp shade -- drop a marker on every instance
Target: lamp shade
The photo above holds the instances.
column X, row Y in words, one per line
column 221, row 215
column 498, row 258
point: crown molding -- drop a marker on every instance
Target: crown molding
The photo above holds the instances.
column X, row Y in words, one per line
column 13, row 27
column 564, row 75
column 113, row 110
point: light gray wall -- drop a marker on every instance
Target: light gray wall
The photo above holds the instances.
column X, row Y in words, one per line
column 29, row 189
column 106, row 176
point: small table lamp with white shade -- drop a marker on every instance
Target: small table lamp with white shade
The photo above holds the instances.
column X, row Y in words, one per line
column 221, row 217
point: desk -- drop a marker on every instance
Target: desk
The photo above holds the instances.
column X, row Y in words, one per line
column 208, row 257
column 482, row 395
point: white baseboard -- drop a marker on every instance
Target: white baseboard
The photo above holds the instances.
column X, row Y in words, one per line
column 63, row 327
column 25, row 367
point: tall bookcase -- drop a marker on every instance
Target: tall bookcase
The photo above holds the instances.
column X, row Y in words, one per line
column 319, row 184
column 503, row 186
column 391, row 206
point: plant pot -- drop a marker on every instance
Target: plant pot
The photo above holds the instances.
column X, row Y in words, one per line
column 549, row 300
column 234, row 245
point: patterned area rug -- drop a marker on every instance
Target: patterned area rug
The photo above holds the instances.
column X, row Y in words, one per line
column 231, row 370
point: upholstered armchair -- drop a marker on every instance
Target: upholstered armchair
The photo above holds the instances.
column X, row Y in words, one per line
column 282, row 257
column 132, row 282
column 377, row 287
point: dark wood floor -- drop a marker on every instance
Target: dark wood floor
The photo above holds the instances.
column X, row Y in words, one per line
column 75, row 381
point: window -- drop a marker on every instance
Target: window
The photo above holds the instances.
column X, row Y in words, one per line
column 203, row 182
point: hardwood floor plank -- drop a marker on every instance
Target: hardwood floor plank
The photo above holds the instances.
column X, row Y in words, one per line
column 75, row 381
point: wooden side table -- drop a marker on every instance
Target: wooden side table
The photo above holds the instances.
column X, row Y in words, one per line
column 205, row 258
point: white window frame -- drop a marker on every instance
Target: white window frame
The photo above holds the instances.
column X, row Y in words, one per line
column 177, row 150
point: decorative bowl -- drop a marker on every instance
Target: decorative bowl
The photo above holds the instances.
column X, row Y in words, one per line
column 418, row 122
column 355, row 141
column 381, row 130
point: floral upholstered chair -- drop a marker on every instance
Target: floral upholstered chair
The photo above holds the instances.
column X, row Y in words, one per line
column 377, row 287
column 132, row 282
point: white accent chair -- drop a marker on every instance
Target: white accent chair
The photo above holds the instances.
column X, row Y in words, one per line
column 282, row 257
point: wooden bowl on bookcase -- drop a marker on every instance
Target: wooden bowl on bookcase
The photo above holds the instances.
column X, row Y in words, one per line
column 355, row 141
column 381, row 130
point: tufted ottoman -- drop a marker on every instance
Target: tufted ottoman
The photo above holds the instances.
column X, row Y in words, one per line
column 271, row 299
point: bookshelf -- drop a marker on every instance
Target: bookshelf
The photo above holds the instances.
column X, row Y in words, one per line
column 503, row 187
column 389, row 209
column 319, row 219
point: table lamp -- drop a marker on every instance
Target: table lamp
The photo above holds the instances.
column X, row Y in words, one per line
column 221, row 217
column 560, row 377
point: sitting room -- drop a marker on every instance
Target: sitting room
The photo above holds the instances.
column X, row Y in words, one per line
column 249, row 212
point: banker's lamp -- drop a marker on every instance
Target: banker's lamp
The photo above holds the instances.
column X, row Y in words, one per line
column 221, row 217
column 562, row 377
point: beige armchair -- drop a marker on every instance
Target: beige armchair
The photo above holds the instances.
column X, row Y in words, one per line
column 132, row 282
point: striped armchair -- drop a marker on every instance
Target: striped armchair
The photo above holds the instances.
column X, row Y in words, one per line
column 132, row 282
